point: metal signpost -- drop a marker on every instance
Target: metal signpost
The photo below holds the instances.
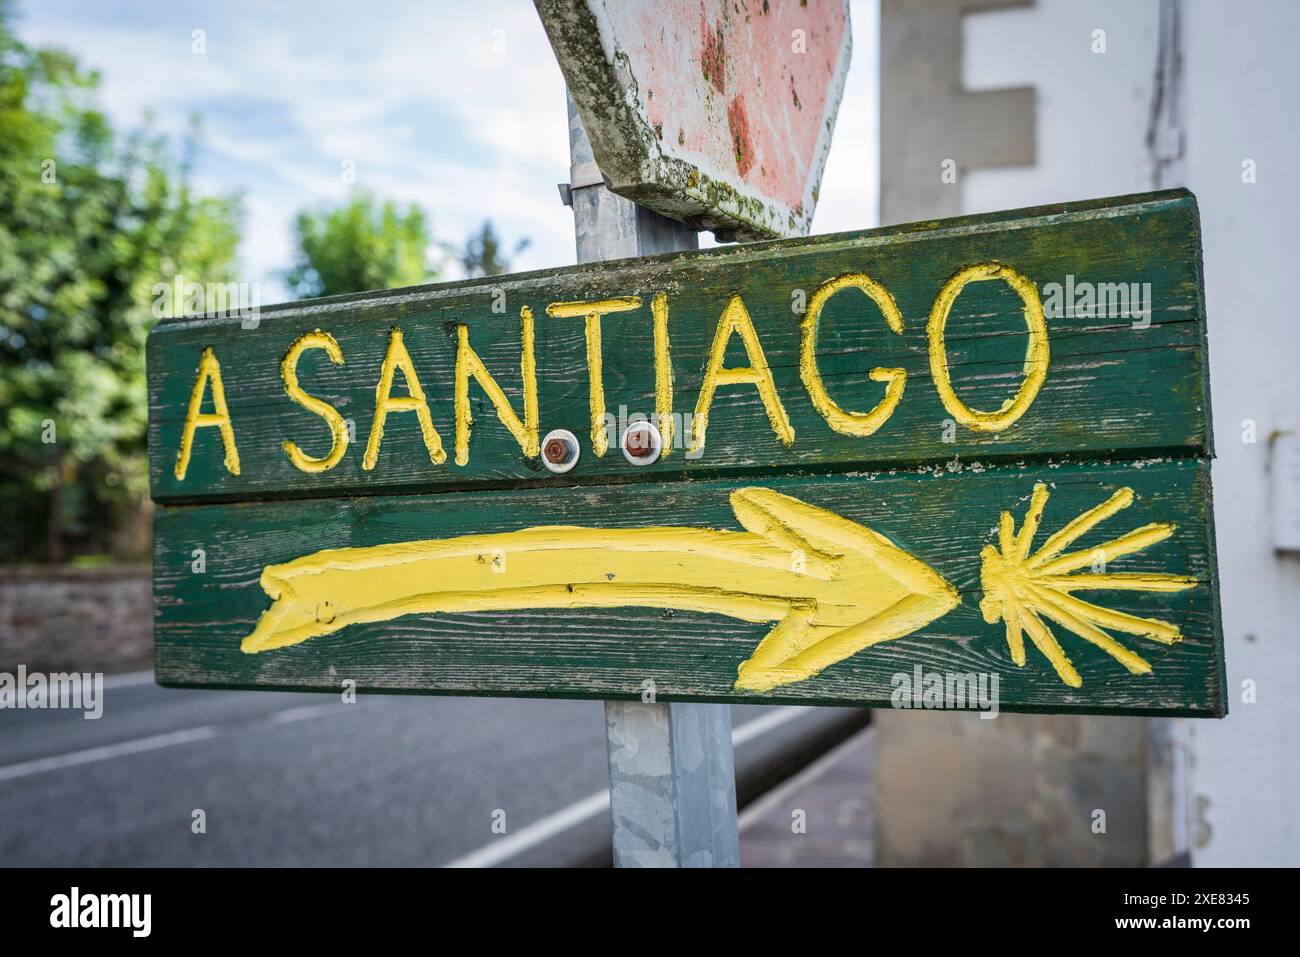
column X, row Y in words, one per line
column 672, row 778
column 923, row 466
column 697, row 117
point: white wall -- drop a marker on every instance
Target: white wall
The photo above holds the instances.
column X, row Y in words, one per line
column 1241, row 74
column 1092, row 108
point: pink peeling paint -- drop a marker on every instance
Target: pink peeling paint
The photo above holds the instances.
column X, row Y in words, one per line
column 725, row 84
column 717, row 112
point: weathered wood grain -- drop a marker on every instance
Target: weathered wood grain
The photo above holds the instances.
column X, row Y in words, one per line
column 1111, row 391
column 940, row 515
column 1124, row 405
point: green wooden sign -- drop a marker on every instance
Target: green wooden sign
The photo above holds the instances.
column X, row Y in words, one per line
column 865, row 468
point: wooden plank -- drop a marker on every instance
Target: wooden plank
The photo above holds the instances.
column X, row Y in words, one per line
column 800, row 550
column 940, row 516
column 1115, row 386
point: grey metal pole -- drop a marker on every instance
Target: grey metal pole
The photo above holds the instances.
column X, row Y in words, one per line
column 672, row 778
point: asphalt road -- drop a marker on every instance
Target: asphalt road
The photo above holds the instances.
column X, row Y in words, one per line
column 295, row 779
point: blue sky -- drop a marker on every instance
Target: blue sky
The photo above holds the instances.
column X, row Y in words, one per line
column 415, row 94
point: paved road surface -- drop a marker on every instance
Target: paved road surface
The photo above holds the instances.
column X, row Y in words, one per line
column 820, row 817
column 295, row 779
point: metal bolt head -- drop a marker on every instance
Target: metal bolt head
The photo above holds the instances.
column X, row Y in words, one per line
column 560, row 450
column 638, row 443
column 556, row 451
column 642, row 444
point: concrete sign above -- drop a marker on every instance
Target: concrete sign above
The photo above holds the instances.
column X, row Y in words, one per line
column 716, row 113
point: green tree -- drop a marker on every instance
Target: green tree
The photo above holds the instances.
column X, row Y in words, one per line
column 359, row 246
column 481, row 255
column 89, row 223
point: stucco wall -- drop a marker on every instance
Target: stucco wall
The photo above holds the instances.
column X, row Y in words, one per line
column 1236, row 103
column 1028, row 115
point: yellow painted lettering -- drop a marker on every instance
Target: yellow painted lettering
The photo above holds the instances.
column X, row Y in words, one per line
column 850, row 423
column 735, row 320
column 591, row 313
column 663, row 372
column 338, row 428
column 468, row 365
column 196, row 418
column 397, row 358
column 1036, row 352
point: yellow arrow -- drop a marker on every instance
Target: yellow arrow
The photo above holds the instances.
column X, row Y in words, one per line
column 834, row 587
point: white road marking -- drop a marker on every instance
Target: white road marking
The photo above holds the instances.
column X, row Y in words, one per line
column 541, row 831
column 765, row 723
column 783, row 791
column 106, row 752
column 152, row 743
column 536, row 833
column 304, row 712
column 129, row 680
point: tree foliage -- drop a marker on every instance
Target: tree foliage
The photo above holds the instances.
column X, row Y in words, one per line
column 90, row 221
column 364, row 245
column 482, row 256
column 358, row 246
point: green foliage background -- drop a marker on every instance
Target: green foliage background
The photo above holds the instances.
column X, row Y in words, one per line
column 361, row 245
column 91, row 220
